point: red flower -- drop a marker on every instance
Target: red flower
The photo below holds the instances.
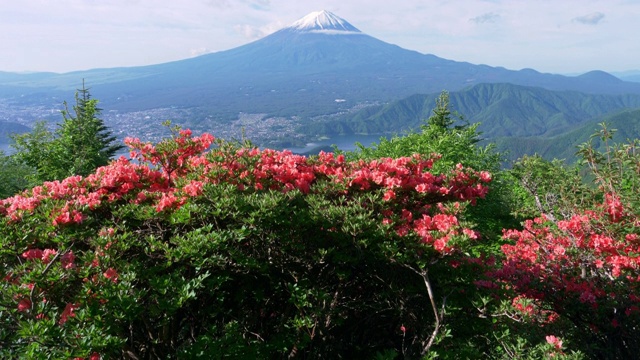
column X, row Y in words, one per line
column 194, row 188
column 24, row 305
column 67, row 260
column 389, row 195
column 557, row 343
column 48, row 255
column 111, row 274
column 67, row 313
column 32, row 254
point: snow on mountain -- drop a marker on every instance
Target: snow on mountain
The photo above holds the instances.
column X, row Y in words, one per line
column 323, row 22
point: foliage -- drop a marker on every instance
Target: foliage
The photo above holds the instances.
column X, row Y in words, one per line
column 13, row 176
column 469, row 307
column 548, row 188
column 576, row 272
column 239, row 251
column 444, row 132
column 197, row 247
column 80, row 144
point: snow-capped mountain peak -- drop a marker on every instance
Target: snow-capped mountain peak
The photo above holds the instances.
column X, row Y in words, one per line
column 323, row 21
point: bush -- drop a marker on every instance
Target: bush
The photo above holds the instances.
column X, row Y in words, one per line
column 574, row 270
column 239, row 252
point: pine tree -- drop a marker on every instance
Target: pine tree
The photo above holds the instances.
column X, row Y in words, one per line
column 87, row 139
column 441, row 117
column 80, row 144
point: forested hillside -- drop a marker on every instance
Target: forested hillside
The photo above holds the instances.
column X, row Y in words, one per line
column 565, row 146
column 502, row 109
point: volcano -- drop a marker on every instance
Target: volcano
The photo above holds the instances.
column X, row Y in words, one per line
column 323, row 22
column 300, row 70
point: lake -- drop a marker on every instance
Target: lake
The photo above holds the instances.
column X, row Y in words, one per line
column 343, row 142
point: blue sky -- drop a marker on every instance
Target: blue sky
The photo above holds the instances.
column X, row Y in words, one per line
column 558, row 36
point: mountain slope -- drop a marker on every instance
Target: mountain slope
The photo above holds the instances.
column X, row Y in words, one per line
column 564, row 146
column 298, row 71
column 9, row 128
column 503, row 110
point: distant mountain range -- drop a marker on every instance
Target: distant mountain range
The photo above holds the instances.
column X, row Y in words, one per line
column 564, row 146
column 503, row 110
column 321, row 69
column 631, row 75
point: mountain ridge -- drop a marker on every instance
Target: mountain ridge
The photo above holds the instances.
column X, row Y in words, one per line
column 564, row 146
column 502, row 109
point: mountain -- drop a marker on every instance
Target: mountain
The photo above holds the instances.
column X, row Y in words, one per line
column 324, row 22
column 319, row 65
column 630, row 75
column 502, row 109
column 564, row 146
column 8, row 128
column 318, row 59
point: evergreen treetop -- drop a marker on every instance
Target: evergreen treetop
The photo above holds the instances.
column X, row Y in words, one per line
column 80, row 144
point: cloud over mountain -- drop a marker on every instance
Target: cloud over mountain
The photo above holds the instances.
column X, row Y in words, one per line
column 256, row 32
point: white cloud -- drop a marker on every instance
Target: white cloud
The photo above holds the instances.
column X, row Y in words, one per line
column 590, row 19
column 486, row 18
column 256, row 32
column 200, row 51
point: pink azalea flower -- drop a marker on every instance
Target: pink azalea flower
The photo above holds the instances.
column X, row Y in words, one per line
column 111, row 274
column 556, row 342
column 24, row 305
column 67, row 313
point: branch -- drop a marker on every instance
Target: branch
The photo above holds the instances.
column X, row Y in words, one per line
column 44, row 272
column 427, row 283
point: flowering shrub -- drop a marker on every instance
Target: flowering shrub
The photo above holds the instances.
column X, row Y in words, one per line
column 581, row 273
column 242, row 251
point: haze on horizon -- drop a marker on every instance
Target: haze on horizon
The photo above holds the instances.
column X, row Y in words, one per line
column 566, row 36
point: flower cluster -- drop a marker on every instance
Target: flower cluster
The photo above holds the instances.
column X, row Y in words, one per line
column 588, row 259
column 248, row 169
column 171, row 155
column 47, row 255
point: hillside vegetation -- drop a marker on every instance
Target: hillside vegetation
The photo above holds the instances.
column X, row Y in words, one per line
column 565, row 146
column 501, row 109
column 416, row 247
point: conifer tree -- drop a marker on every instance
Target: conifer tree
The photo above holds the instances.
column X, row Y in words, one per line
column 80, row 144
column 88, row 140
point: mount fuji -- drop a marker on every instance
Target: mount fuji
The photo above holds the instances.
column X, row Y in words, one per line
column 320, row 64
column 323, row 22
